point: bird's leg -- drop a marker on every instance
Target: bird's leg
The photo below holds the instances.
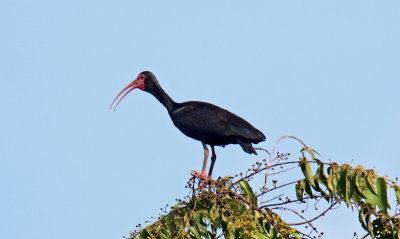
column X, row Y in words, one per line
column 213, row 158
column 203, row 172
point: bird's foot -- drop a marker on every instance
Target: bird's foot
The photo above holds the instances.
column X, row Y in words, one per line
column 202, row 175
column 195, row 174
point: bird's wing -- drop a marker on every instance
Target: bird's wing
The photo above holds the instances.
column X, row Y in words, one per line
column 207, row 119
column 242, row 128
column 200, row 120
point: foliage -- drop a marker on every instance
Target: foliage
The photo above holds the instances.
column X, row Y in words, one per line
column 358, row 188
column 230, row 208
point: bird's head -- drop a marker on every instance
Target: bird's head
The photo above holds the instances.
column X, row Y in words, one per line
column 145, row 81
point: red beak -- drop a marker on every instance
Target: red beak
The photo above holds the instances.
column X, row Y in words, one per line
column 132, row 85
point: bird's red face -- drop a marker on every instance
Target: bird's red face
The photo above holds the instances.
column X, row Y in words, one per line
column 138, row 83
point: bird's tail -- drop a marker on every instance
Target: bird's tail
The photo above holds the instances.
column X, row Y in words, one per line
column 247, row 147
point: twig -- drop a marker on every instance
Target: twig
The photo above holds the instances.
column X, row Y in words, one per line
column 283, row 185
column 273, row 198
column 284, row 137
column 291, row 201
column 276, row 165
column 220, row 235
column 263, row 150
column 251, row 205
column 298, row 214
column 315, row 218
column 365, row 236
column 282, row 171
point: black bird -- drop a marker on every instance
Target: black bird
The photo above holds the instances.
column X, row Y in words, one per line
column 202, row 121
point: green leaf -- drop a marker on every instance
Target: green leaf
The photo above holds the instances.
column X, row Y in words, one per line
column 307, row 188
column 296, row 235
column 306, row 168
column 234, row 205
column 370, row 226
column 344, row 186
column 397, row 191
column 329, row 184
column 333, row 178
column 356, row 197
column 321, row 174
column 300, row 190
column 380, row 187
column 248, row 192
column 176, row 206
column 215, row 217
column 311, row 152
column 396, row 235
column 199, row 204
column 371, row 198
column 361, row 219
column 351, row 187
column 274, row 233
column 195, row 232
column 230, row 231
column 371, row 180
column 320, row 177
column 261, row 236
column 365, row 214
column 200, row 225
column 361, row 183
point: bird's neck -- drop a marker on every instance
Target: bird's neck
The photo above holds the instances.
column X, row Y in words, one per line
column 164, row 99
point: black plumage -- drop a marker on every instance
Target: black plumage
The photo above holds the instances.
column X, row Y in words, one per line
column 202, row 121
column 214, row 126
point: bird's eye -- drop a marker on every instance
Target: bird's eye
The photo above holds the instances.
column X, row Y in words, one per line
column 141, row 77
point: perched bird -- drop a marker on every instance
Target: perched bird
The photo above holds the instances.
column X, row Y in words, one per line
column 202, row 121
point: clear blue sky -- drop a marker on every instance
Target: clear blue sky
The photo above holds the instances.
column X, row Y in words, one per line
column 327, row 72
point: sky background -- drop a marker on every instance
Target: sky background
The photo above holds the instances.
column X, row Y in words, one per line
column 327, row 72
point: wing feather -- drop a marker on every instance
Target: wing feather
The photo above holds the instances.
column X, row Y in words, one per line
column 200, row 119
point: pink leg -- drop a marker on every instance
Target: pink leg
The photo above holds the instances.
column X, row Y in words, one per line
column 203, row 171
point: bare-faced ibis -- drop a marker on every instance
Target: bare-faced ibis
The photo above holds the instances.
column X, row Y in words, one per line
column 202, row 121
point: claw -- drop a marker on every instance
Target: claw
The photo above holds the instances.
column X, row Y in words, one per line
column 202, row 175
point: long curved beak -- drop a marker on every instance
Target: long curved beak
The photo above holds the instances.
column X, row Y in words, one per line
column 132, row 86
